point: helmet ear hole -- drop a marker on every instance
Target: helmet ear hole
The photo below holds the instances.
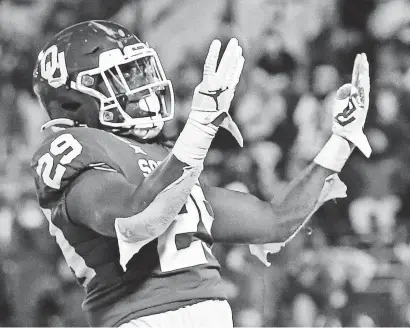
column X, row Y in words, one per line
column 71, row 105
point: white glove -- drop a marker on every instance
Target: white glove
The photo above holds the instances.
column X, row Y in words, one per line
column 212, row 99
column 351, row 106
column 213, row 96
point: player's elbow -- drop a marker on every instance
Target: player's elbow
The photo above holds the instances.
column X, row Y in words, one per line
column 285, row 223
column 145, row 225
column 132, row 230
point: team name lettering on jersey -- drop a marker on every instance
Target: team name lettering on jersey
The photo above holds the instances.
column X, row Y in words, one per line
column 147, row 165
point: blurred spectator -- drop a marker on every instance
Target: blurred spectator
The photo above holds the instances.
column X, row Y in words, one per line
column 312, row 115
column 275, row 66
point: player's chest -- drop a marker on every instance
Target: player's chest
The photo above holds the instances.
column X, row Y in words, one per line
column 138, row 160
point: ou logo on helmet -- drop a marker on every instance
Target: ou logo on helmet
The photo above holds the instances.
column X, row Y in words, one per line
column 50, row 61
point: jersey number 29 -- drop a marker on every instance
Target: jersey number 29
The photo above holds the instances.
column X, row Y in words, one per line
column 189, row 251
column 64, row 144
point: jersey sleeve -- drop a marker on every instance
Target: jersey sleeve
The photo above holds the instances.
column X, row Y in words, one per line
column 61, row 158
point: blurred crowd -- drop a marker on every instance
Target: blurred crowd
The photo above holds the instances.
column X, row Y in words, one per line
column 350, row 267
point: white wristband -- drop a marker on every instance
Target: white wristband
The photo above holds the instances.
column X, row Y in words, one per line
column 193, row 143
column 334, row 153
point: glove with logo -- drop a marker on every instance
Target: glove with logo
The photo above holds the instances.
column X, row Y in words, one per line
column 349, row 116
column 352, row 104
column 210, row 105
column 213, row 96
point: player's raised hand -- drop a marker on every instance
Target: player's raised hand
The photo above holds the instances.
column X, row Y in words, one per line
column 351, row 106
column 212, row 97
column 361, row 80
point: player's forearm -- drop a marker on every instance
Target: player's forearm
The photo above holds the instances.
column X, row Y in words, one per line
column 167, row 172
column 158, row 200
column 298, row 201
column 302, row 194
column 244, row 218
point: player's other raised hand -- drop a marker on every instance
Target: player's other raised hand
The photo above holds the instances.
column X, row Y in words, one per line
column 351, row 106
column 212, row 97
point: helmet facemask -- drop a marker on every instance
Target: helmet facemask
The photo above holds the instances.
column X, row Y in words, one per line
column 132, row 88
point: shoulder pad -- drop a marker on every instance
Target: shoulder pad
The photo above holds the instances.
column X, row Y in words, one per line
column 63, row 156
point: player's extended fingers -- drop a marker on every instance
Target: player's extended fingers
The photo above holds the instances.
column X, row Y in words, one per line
column 237, row 73
column 362, row 86
column 355, row 73
column 229, row 59
column 212, row 58
column 361, row 80
column 232, row 69
column 364, row 81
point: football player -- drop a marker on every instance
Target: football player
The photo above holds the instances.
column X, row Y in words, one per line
column 132, row 220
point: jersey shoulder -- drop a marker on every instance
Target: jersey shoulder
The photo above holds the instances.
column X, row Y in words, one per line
column 64, row 155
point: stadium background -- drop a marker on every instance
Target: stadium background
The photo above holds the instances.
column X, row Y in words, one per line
column 352, row 267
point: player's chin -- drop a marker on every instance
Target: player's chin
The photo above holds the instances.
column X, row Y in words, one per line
column 148, row 133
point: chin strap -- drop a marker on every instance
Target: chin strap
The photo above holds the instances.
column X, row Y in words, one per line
column 58, row 124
